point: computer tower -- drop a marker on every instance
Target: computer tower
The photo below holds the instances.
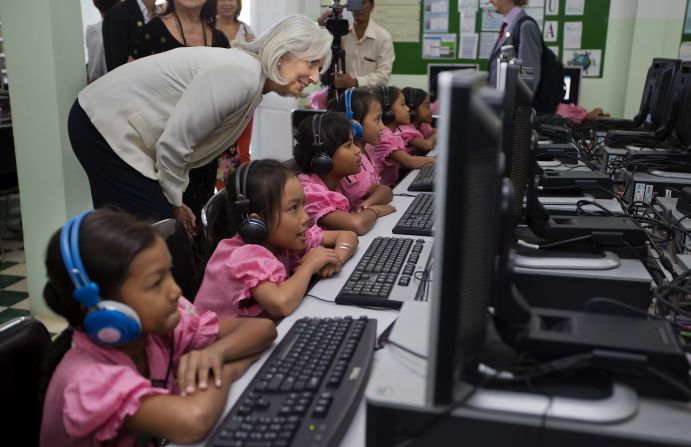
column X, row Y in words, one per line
column 646, row 186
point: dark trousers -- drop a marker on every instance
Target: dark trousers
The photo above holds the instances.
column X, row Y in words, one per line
column 111, row 179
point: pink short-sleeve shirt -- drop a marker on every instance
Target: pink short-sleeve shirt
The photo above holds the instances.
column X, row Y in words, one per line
column 319, row 199
column 356, row 187
column 410, row 132
column 94, row 388
column 236, row 267
column 381, row 155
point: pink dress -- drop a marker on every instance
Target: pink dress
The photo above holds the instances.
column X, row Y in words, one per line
column 409, row 132
column 319, row 199
column 236, row 268
column 94, row 388
column 381, row 154
column 356, row 187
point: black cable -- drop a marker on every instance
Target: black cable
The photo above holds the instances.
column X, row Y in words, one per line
column 320, row 299
column 586, row 306
column 581, row 203
column 660, row 374
column 405, row 194
column 408, row 350
column 566, row 241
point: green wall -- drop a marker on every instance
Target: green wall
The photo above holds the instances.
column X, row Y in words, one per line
column 45, row 61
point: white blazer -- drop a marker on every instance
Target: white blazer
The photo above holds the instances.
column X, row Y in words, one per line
column 168, row 113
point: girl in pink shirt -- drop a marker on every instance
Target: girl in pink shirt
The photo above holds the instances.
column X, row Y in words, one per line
column 143, row 364
column 265, row 249
column 391, row 153
column 419, row 135
column 326, row 155
column 364, row 188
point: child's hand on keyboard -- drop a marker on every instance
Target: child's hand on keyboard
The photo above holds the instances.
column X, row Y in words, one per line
column 382, row 210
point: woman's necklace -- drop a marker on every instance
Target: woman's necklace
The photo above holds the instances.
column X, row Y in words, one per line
column 182, row 33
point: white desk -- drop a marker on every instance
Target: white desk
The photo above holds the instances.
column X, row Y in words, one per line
column 327, row 289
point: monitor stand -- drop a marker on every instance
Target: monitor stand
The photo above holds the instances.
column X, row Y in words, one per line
column 398, row 412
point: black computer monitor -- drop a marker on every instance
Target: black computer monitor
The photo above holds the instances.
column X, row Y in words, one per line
column 433, row 71
column 678, row 122
column 572, row 84
column 516, row 136
column 658, row 83
column 467, row 184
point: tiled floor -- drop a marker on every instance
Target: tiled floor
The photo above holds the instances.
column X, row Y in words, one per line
column 14, row 296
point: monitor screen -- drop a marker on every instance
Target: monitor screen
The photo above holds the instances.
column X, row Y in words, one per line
column 433, row 71
column 467, row 199
column 572, row 84
column 516, row 135
column 682, row 123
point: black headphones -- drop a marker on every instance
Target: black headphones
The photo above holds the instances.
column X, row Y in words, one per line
column 388, row 116
column 321, row 163
column 410, row 102
column 251, row 229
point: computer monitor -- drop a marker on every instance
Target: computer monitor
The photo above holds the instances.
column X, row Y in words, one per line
column 516, row 135
column 468, row 177
column 572, row 84
column 656, row 90
column 433, row 71
column 682, row 125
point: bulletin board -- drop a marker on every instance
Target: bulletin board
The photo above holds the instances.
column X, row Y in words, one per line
column 685, row 47
column 460, row 31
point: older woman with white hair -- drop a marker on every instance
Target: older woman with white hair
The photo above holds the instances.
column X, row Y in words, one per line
column 138, row 130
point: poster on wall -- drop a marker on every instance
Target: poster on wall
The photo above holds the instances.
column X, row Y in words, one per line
column 401, row 18
column 551, row 7
column 436, row 16
column 439, row 46
column 589, row 60
column 574, row 7
column 687, row 20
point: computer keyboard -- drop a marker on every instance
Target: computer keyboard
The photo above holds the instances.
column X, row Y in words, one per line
column 385, row 275
column 424, row 181
column 308, row 389
column 418, row 219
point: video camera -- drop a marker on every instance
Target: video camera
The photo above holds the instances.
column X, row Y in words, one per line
column 338, row 27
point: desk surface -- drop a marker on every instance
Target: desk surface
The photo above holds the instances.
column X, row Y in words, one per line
column 327, row 289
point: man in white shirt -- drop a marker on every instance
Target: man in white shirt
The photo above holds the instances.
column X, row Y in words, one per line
column 369, row 51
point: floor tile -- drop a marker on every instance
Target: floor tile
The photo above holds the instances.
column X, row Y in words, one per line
column 13, row 269
column 12, row 281
column 10, row 298
column 15, row 256
column 9, row 314
column 23, row 304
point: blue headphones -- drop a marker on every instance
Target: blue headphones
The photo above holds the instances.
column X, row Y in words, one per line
column 108, row 322
column 358, row 131
column 251, row 230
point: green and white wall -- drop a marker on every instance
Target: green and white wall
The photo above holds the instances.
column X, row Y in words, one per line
column 638, row 31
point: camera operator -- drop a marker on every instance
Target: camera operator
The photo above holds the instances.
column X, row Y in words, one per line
column 369, row 52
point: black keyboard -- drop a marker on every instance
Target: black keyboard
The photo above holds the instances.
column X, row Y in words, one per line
column 418, row 219
column 424, row 180
column 384, row 276
column 307, row 391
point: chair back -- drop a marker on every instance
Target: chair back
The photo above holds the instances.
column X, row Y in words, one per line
column 23, row 344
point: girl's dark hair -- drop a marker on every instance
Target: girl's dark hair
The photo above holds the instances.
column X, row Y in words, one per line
column 265, row 184
column 207, row 14
column 108, row 242
column 414, row 97
column 360, row 103
column 334, row 131
column 391, row 94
